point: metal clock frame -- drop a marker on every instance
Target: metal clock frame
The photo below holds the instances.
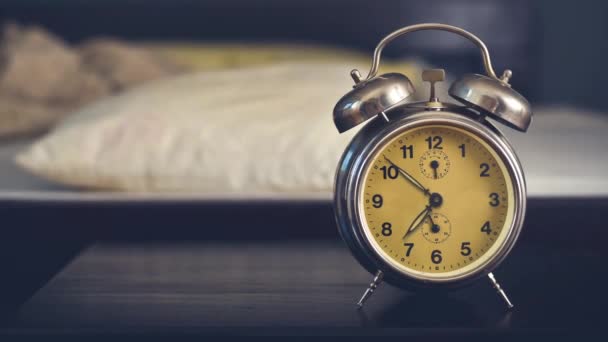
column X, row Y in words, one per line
column 355, row 161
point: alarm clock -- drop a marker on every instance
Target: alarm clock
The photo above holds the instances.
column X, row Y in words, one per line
column 430, row 195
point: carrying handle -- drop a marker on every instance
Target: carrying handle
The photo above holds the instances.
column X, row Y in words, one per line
column 487, row 63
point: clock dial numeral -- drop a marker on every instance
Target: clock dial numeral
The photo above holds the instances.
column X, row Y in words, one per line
column 445, row 240
column 465, row 248
column 387, row 229
column 486, row 228
column 409, row 246
column 436, row 257
column 463, row 152
column 434, row 142
column 377, row 201
column 408, row 151
column 389, row 172
column 495, row 201
column 485, row 170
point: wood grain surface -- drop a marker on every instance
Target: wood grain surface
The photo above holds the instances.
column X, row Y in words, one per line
column 306, row 288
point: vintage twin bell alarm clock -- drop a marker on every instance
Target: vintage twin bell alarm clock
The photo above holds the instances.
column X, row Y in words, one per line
column 430, row 194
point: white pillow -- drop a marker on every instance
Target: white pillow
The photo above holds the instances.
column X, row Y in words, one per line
column 263, row 129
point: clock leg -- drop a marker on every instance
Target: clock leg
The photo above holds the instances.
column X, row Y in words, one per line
column 383, row 115
column 372, row 287
column 500, row 291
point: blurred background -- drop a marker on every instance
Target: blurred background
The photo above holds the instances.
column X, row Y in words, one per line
column 62, row 59
column 104, row 48
column 554, row 47
column 207, row 106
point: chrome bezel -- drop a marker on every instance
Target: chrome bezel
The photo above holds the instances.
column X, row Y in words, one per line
column 353, row 164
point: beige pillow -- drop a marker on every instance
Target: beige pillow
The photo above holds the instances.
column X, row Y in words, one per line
column 255, row 130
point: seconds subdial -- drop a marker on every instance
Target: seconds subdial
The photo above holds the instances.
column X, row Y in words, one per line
column 436, row 228
column 434, row 164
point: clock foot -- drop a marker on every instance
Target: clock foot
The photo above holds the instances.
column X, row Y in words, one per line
column 500, row 291
column 370, row 290
column 383, row 115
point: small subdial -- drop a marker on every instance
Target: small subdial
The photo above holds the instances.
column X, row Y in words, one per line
column 434, row 164
column 436, row 228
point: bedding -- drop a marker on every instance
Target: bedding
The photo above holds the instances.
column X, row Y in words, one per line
column 42, row 78
column 260, row 129
column 268, row 130
column 265, row 129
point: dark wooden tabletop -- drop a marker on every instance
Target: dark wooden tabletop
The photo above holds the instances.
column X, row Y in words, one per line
column 304, row 287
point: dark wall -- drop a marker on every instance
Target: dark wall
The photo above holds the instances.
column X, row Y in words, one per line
column 574, row 51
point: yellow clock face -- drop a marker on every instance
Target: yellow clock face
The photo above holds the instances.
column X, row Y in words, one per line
column 436, row 202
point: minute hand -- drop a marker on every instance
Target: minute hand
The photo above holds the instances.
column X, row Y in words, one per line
column 409, row 177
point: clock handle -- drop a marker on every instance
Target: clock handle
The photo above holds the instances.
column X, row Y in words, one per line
column 489, row 94
column 485, row 54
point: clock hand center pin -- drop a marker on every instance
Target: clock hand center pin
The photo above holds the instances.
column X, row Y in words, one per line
column 435, row 201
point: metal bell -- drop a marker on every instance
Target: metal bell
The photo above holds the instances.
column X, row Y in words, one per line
column 370, row 98
column 495, row 98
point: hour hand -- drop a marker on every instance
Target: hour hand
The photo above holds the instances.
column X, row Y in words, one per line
column 418, row 220
column 409, row 177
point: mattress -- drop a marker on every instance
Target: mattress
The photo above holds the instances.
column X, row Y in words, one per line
column 563, row 155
